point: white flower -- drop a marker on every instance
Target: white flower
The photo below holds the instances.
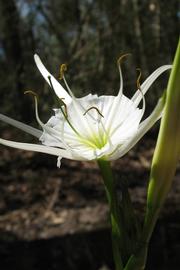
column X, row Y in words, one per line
column 91, row 127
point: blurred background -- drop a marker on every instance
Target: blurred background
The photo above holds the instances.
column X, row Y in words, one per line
column 58, row 219
column 87, row 35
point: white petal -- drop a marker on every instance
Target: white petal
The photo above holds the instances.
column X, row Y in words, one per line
column 143, row 128
column 116, row 118
column 84, row 153
column 148, row 82
column 33, row 131
column 127, row 129
column 50, row 140
column 59, row 90
column 37, row 148
column 76, row 115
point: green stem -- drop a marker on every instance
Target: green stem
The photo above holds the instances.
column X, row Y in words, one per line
column 117, row 229
column 167, row 151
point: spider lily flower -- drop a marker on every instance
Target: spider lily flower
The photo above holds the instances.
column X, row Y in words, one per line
column 92, row 127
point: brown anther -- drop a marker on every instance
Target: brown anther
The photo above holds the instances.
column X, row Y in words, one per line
column 30, row 92
column 95, row 108
column 63, row 68
column 121, row 58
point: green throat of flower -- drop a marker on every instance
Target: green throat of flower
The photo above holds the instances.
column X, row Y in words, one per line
column 96, row 141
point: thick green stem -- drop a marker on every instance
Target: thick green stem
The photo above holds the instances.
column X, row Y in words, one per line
column 167, row 151
column 117, row 235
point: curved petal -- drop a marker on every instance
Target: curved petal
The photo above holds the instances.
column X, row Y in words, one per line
column 148, row 82
column 33, row 131
column 59, row 90
column 143, row 128
column 116, row 101
column 37, row 148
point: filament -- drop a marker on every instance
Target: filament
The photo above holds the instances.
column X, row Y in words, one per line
column 95, row 108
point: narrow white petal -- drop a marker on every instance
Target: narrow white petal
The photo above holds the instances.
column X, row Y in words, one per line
column 143, row 128
column 148, row 82
column 113, row 110
column 59, row 90
column 33, row 131
column 37, row 148
column 116, row 101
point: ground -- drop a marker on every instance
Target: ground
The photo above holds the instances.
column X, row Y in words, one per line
column 41, row 205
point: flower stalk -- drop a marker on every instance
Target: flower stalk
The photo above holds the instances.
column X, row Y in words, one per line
column 117, row 229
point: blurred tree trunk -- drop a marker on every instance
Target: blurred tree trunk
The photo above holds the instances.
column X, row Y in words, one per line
column 11, row 43
column 169, row 31
column 138, row 37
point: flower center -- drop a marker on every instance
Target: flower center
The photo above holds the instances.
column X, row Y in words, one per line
column 97, row 140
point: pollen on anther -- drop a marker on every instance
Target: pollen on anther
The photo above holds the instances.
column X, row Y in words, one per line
column 121, row 58
column 63, row 68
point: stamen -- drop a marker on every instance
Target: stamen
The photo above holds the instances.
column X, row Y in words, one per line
column 138, row 79
column 36, row 107
column 120, row 73
column 63, row 69
column 30, row 92
column 77, row 105
column 65, row 106
column 62, row 103
column 117, row 99
column 95, row 108
column 52, row 132
column 49, row 130
column 121, row 58
column 139, row 88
